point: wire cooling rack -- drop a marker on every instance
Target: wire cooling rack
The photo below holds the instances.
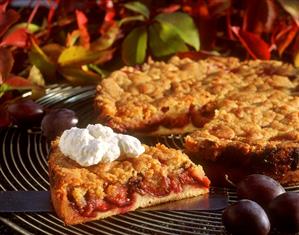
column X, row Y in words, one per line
column 23, row 166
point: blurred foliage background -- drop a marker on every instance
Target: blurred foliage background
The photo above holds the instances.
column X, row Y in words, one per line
column 81, row 42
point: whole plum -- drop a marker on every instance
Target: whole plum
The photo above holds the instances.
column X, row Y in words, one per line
column 259, row 188
column 25, row 113
column 58, row 120
column 284, row 212
column 246, row 217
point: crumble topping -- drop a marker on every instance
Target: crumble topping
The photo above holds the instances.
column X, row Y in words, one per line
column 173, row 94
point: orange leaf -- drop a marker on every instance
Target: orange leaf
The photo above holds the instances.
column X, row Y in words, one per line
column 82, row 25
column 253, row 43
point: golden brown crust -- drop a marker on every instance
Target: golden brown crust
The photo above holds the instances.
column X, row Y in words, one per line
column 160, row 98
column 81, row 194
column 246, row 109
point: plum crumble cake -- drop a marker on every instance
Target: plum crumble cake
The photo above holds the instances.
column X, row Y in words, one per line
column 85, row 193
column 242, row 116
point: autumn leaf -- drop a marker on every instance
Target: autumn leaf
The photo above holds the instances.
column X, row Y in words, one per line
column 163, row 40
column 17, row 38
column 6, row 63
column 30, row 28
column 3, row 5
column 138, row 7
column 72, row 38
column 16, row 82
column 52, row 51
column 38, row 58
column 253, row 43
column 292, row 7
column 4, row 88
column 104, row 56
column 79, row 77
column 170, row 9
column 36, row 77
column 7, row 19
column 38, row 83
column 82, row 25
column 77, row 55
column 131, row 19
column 259, row 16
column 285, row 40
column 107, row 38
column 183, row 25
column 134, row 46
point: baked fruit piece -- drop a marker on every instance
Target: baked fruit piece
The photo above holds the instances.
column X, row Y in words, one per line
column 81, row 194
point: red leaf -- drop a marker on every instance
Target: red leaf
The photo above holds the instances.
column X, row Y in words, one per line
column 6, row 63
column 52, row 9
column 7, row 19
column 259, row 16
column 3, row 5
column 285, row 41
column 107, row 5
column 17, row 82
column 170, row 9
column 18, row 38
column 253, row 43
column 82, row 25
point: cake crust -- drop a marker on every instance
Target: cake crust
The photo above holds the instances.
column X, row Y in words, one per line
column 81, row 194
column 242, row 116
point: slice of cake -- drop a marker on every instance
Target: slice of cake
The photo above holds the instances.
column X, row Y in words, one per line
column 95, row 173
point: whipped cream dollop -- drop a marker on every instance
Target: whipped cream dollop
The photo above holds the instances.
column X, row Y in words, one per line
column 98, row 143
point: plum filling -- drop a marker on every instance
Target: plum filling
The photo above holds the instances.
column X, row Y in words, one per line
column 123, row 197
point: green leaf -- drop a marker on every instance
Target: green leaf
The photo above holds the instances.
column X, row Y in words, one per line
column 38, row 82
column 134, row 46
column 80, row 77
column 98, row 70
column 183, row 25
column 138, row 7
column 31, row 28
column 38, row 58
column 4, row 88
column 292, row 7
column 163, row 40
column 36, row 77
column 130, row 19
column 77, row 55
column 107, row 39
